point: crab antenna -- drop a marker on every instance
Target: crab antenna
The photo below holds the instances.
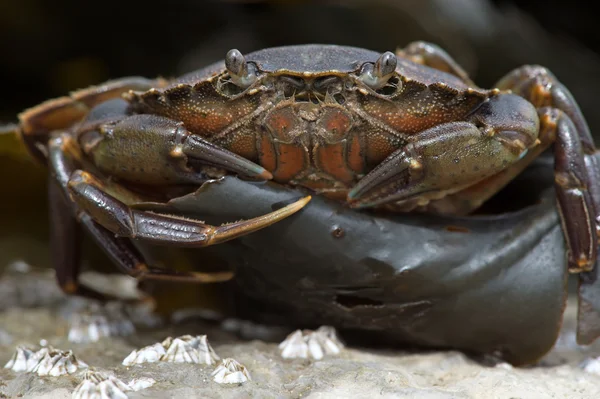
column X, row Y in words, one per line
column 237, row 67
column 378, row 75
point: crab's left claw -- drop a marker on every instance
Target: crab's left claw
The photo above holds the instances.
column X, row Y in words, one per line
column 155, row 150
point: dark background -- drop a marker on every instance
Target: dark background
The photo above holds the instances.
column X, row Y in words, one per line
column 51, row 47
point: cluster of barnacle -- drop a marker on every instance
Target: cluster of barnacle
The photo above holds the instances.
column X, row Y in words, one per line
column 189, row 349
column 49, row 361
column 97, row 384
column 45, row 361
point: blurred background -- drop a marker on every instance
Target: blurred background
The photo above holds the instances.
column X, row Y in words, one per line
column 50, row 48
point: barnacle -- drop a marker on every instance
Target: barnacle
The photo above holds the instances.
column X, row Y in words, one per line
column 311, row 344
column 46, row 361
column 230, row 371
column 184, row 349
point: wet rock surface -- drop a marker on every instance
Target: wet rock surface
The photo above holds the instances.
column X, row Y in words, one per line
column 355, row 372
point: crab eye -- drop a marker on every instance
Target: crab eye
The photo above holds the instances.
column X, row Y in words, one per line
column 377, row 75
column 242, row 74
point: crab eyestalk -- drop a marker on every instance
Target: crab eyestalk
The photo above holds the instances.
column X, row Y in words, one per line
column 377, row 75
column 242, row 74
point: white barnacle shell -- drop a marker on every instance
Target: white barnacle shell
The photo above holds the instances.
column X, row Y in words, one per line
column 24, row 359
column 97, row 322
column 46, row 361
column 88, row 328
column 56, row 362
column 98, row 385
column 148, row 354
column 305, row 344
column 184, row 349
column 294, row 346
column 188, row 349
column 230, row 371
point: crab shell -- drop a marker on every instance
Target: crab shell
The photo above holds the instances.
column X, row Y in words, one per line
column 327, row 139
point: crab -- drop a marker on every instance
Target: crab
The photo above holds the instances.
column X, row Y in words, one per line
column 404, row 131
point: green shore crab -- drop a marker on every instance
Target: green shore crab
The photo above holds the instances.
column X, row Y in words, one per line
column 404, row 131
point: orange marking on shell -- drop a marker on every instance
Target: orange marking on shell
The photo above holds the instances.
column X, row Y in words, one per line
column 281, row 122
column 267, row 154
column 330, row 159
column 335, row 123
column 291, row 161
column 356, row 161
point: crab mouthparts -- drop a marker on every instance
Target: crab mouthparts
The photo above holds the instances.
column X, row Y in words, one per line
column 313, row 90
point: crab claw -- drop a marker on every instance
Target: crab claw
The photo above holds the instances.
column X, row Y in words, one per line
column 376, row 76
column 239, row 71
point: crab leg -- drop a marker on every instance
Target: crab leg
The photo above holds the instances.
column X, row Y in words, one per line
column 88, row 193
column 433, row 56
column 130, row 261
column 575, row 203
column 109, row 220
column 576, row 168
column 65, row 244
column 60, row 113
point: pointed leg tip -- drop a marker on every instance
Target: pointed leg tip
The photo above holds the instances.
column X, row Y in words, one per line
column 294, row 207
column 353, row 195
column 265, row 175
column 301, row 203
column 356, row 199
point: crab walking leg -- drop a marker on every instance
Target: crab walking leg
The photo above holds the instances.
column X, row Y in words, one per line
column 152, row 150
column 88, row 193
column 539, row 86
column 129, row 260
column 450, row 157
column 576, row 167
column 433, row 56
column 575, row 203
column 65, row 244
column 60, row 113
column 66, row 241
